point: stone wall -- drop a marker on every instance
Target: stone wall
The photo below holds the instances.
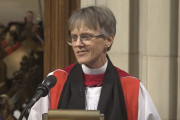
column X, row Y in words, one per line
column 147, row 45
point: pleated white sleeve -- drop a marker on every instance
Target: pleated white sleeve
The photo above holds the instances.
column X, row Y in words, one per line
column 39, row 108
column 146, row 110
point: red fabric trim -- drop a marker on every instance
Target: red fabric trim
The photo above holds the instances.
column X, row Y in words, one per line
column 93, row 80
column 122, row 73
column 55, row 92
column 130, row 88
column 68, row 68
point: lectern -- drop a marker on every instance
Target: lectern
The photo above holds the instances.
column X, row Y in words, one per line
column 63, row 114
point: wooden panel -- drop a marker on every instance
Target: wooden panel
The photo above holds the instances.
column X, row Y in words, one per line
column 47, row 42
column 74, row 4
column 63, row 33
column 57, row 53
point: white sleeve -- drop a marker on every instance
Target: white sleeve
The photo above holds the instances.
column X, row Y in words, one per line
column 146, row 108
column 39, row 108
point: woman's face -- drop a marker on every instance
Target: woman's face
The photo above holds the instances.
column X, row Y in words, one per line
column 91, row 53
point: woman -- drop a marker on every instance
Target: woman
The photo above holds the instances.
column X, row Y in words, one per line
column 94, row 83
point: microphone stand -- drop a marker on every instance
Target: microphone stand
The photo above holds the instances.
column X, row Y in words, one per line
column 23, row 112
column 31, row 103
column 41, row 91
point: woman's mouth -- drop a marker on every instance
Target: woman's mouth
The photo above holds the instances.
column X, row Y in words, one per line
column 80, row 53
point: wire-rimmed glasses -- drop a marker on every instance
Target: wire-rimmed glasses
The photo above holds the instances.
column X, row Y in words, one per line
column 72, row 39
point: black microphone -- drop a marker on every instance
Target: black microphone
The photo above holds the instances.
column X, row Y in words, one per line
column 41, row 91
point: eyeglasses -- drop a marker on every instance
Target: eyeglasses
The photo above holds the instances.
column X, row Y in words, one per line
column 72, row 39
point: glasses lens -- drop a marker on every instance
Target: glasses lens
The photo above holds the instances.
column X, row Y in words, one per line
column 71, row 39
column 86, row 37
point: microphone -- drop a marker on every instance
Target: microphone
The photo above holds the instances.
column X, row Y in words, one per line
column 41, row 91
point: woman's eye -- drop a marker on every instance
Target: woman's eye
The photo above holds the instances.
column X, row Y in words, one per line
column 87, row 37
column 74, row 38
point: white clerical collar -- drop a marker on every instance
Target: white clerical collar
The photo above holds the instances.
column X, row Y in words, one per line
column 91, row 71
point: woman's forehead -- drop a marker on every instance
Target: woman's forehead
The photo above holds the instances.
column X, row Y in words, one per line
column 84, row 25
column 81, row 28
column 84, row 29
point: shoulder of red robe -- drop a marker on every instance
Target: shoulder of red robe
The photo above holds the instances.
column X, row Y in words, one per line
column 130, row 86
column 68, row 68
column 55, row 93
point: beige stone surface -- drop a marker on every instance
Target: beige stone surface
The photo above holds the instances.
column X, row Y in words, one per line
column 143, row 69
column 178, row 100
column 178, row 104
column 158, row 27
column 161, row 84
column 158, row 49
column 120, row 60
column 143, row 27
column 85, row 3
column 158, row 55
column 121, row 11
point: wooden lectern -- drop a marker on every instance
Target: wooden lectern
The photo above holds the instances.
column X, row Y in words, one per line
column 63, row 114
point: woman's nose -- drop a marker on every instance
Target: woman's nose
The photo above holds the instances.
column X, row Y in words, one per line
column 79, row 42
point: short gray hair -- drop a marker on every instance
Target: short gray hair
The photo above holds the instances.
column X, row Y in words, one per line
column 94, row 17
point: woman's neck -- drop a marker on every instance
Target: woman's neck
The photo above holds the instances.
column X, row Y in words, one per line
column 91, row 71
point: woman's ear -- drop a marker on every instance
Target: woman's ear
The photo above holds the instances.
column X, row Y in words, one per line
column 109, row 40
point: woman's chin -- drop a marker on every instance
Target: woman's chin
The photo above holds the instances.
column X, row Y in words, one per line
column 82, row 60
